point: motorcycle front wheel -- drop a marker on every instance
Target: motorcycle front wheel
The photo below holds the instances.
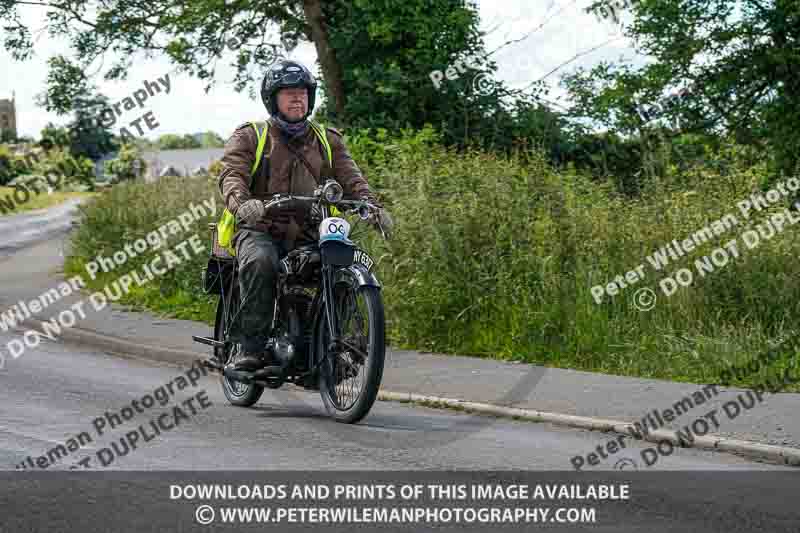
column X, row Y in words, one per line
column 350, row 377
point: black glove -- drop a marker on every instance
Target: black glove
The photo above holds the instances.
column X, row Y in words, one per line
column 380, row 218
column 251, row 211
column 367, row 197
column 385, row 221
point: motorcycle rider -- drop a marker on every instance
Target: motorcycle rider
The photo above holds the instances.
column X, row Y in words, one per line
column 295, row 160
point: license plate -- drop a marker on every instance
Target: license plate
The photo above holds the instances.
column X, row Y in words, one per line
column 362, row 258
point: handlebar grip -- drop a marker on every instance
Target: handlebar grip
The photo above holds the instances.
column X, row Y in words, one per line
column 269, row 204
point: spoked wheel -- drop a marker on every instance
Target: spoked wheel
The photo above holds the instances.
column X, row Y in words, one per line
column 236, row 392
column 351, row 375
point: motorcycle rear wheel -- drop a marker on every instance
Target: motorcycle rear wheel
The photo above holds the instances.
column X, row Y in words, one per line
column 237, row 393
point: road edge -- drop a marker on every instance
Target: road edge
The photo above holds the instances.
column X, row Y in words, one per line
column 783, row 455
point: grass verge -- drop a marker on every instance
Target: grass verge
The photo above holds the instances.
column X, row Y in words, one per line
column 39, row 201
column 496, row 257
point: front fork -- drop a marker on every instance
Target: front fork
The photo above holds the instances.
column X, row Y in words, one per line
column 330, row 314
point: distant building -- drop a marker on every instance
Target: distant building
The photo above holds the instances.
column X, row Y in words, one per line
column 8, row 116
column 185, row 161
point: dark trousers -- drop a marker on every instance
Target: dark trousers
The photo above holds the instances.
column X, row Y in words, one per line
column 258, row 255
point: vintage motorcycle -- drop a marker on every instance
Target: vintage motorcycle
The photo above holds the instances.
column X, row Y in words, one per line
column 327, row 331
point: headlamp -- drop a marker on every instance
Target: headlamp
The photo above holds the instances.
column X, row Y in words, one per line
column 332, row 192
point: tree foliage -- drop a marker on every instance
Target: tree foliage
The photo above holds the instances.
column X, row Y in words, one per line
column 736, row 63
column 128, row 165
column 171, row 141
column 716, row 69
column 412, row 63
column 391, row 47
column 376, row 56
column 193, row 35
column 53, row 135
column 69, row 91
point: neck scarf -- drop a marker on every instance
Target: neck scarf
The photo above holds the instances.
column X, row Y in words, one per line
column 293, row 129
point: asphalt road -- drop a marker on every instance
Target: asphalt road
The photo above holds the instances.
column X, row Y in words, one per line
column 21, row 230
column 56, row 391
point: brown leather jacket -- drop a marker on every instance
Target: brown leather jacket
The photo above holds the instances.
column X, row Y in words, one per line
column 283, row 172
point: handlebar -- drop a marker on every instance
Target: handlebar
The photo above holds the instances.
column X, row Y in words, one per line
column 362, row 207
column 331, row 188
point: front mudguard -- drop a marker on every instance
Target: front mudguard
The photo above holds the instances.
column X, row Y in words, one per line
column 355, row 276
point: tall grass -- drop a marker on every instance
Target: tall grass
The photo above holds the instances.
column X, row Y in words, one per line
column 495, row 256
column 129, row 212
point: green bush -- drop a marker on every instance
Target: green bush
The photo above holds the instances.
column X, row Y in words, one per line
column 130, row 211
column 9, row 166
column 496, row 256
column 128, row 165
column 78, row 172
column 214, row 170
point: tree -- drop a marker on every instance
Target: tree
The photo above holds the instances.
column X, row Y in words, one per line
column 531, row 124
column 192, row 34
column 416, row 62
column 385, row 63
column 89, row 137
column 53, row 135
column 7, row 136
column 211, row 139
column 736, row 63
column 171, row 141
column 9, row 168
column 389, row 45
column 68, row 90
column 129, row 164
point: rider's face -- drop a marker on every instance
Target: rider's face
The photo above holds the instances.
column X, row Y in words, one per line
column 293, row 102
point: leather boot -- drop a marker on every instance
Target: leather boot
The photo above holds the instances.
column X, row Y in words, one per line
column 253, row 355
column 250, row 362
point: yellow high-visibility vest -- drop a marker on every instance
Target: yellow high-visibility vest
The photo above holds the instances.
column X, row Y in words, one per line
column 226, row 227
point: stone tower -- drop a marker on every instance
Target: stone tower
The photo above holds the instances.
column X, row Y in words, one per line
column 8, row 115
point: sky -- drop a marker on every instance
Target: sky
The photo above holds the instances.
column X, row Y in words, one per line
column 549, row 33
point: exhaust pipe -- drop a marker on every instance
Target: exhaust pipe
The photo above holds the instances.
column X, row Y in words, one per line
column 238, row 375
column 269, row 376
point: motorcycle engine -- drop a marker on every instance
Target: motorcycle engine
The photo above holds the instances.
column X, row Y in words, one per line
column 283, row 350
column 299, row 265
